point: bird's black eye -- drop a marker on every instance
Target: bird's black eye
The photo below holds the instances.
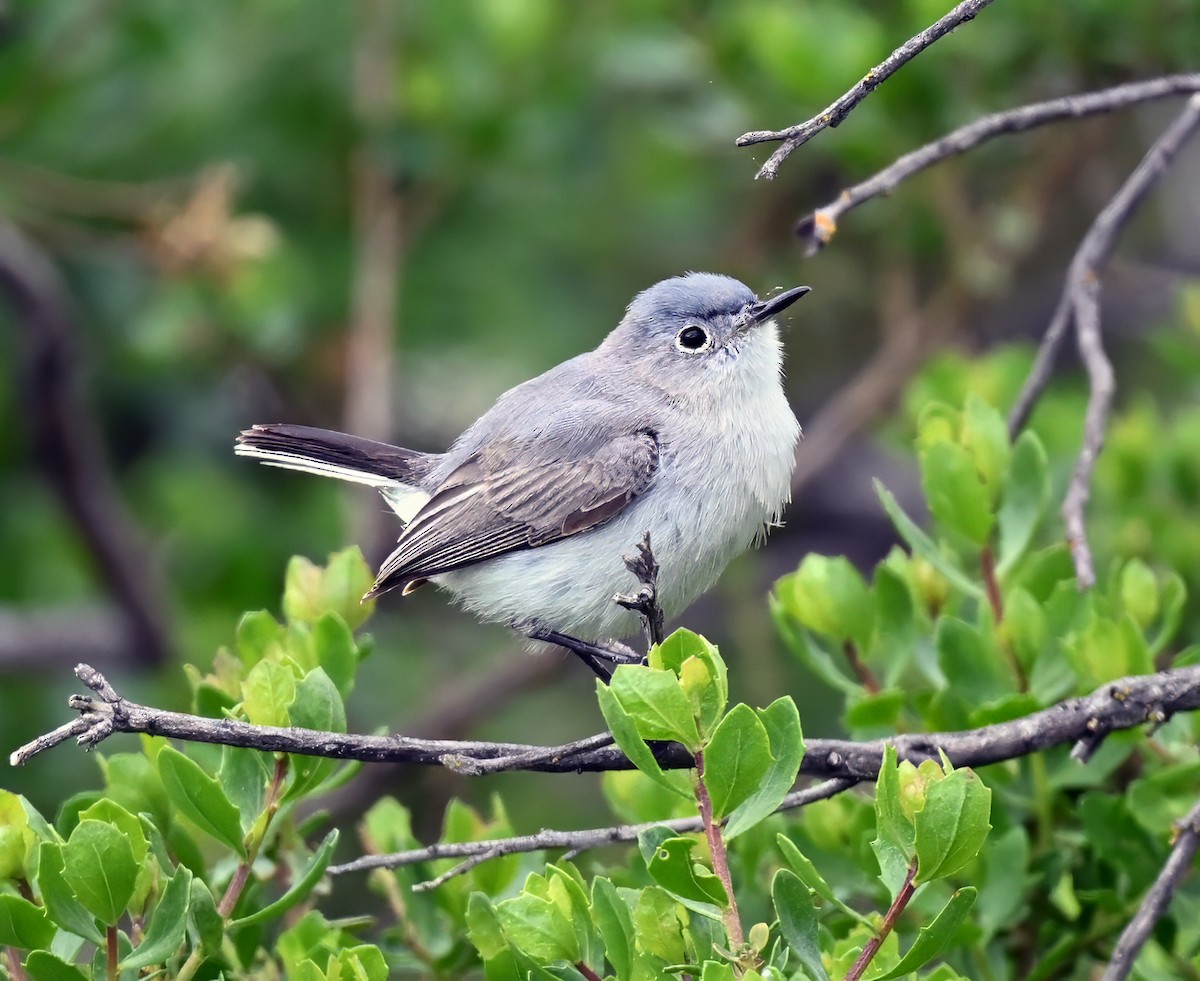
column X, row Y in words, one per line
column 693, row 339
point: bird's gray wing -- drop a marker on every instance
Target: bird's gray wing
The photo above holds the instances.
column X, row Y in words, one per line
column 509, row 497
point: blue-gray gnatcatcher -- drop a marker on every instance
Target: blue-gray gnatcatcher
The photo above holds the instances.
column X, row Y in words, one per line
column 676, row 425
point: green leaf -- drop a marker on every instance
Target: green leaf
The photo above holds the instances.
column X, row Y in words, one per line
column 259, row 635
column 538, row 927
column 613, row 920
column 244, row 776
column 670, row 864
column 1023, row 501
column 168, row 924
column 110, row 812
column 985, row 437
column 657, row 703
column 43, row 966
column 200, row 798
column 208, row 923
column 812, row 657
column 951, row 827
column 310, row 591
column 781, row 720
column 924, row 546
column 336, row 651
column 317, row 706
column 1171, row 598
column 483, row 927
column 267, row 691
column 894, row 832
column 1002, row 894
column 99, row 866
column 299, row 889
column 933, row 937
column 363, row 962
column 656, row 925
column 22, row 924
column 895, row 619
column 1139, row 592
column 59, row 898
column 625, row 732
column 799, row 863
column 829, row 596
column 736, row 759
column 16, row 838
column 798, row 921
column 957, row 495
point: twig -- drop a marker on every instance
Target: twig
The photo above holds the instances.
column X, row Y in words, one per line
column 462, row 868
column 1135, row 934
column 572, row 841
column 818, row 228
column 68, row 447
column 835, row 112
column 1080, row 305
column 523, row 761
column 1121, row 704
column 644, row 602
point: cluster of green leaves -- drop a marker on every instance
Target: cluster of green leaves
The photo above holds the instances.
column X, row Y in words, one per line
column 977, row 621
column 186, row 862
column 669, row 913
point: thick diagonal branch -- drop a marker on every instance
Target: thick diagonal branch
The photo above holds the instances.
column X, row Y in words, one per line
column 68, row 447
column 833, row 114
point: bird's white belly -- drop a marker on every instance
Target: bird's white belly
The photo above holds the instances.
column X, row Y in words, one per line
column 699, row 518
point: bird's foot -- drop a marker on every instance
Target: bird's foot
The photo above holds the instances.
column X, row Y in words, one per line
column 603, row 659
column 644, row 602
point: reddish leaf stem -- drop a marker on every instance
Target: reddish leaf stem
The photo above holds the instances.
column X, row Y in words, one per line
column 111, row 951
column 242, row 873
column 587, row 972
column 889, row 921
column 859, row 666
column 720, row 860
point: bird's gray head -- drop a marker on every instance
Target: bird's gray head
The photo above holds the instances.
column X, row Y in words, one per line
column 686, row 327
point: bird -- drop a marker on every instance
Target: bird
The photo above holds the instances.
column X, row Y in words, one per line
column 675, row 427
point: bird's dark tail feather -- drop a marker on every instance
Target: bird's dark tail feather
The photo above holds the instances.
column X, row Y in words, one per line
column 331, row 454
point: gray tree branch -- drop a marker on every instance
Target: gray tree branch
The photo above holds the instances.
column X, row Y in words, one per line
column 833, row 114
column 818, row 228
column 1137, row 931
column 1080, row 305
column 1121, row 704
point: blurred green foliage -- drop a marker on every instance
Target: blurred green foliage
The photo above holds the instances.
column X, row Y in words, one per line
column 191, row 171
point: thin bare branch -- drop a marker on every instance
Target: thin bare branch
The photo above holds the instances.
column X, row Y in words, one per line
column 1080, row 305
column 833, row 114
column 570, row 841
column 819, row 227
column 1178, row 864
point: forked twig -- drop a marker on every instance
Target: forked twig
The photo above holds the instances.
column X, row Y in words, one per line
column 833, row 114
column 1079, row 305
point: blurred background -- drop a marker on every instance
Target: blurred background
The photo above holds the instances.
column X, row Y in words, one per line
column 376, row 217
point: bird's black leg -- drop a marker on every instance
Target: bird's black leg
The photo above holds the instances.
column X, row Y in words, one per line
column 601, row 658
column 644, row 602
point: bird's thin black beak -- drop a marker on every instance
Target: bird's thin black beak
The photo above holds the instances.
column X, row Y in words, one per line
column 763, row 310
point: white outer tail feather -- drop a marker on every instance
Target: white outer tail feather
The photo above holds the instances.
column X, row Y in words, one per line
column 404, row 499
